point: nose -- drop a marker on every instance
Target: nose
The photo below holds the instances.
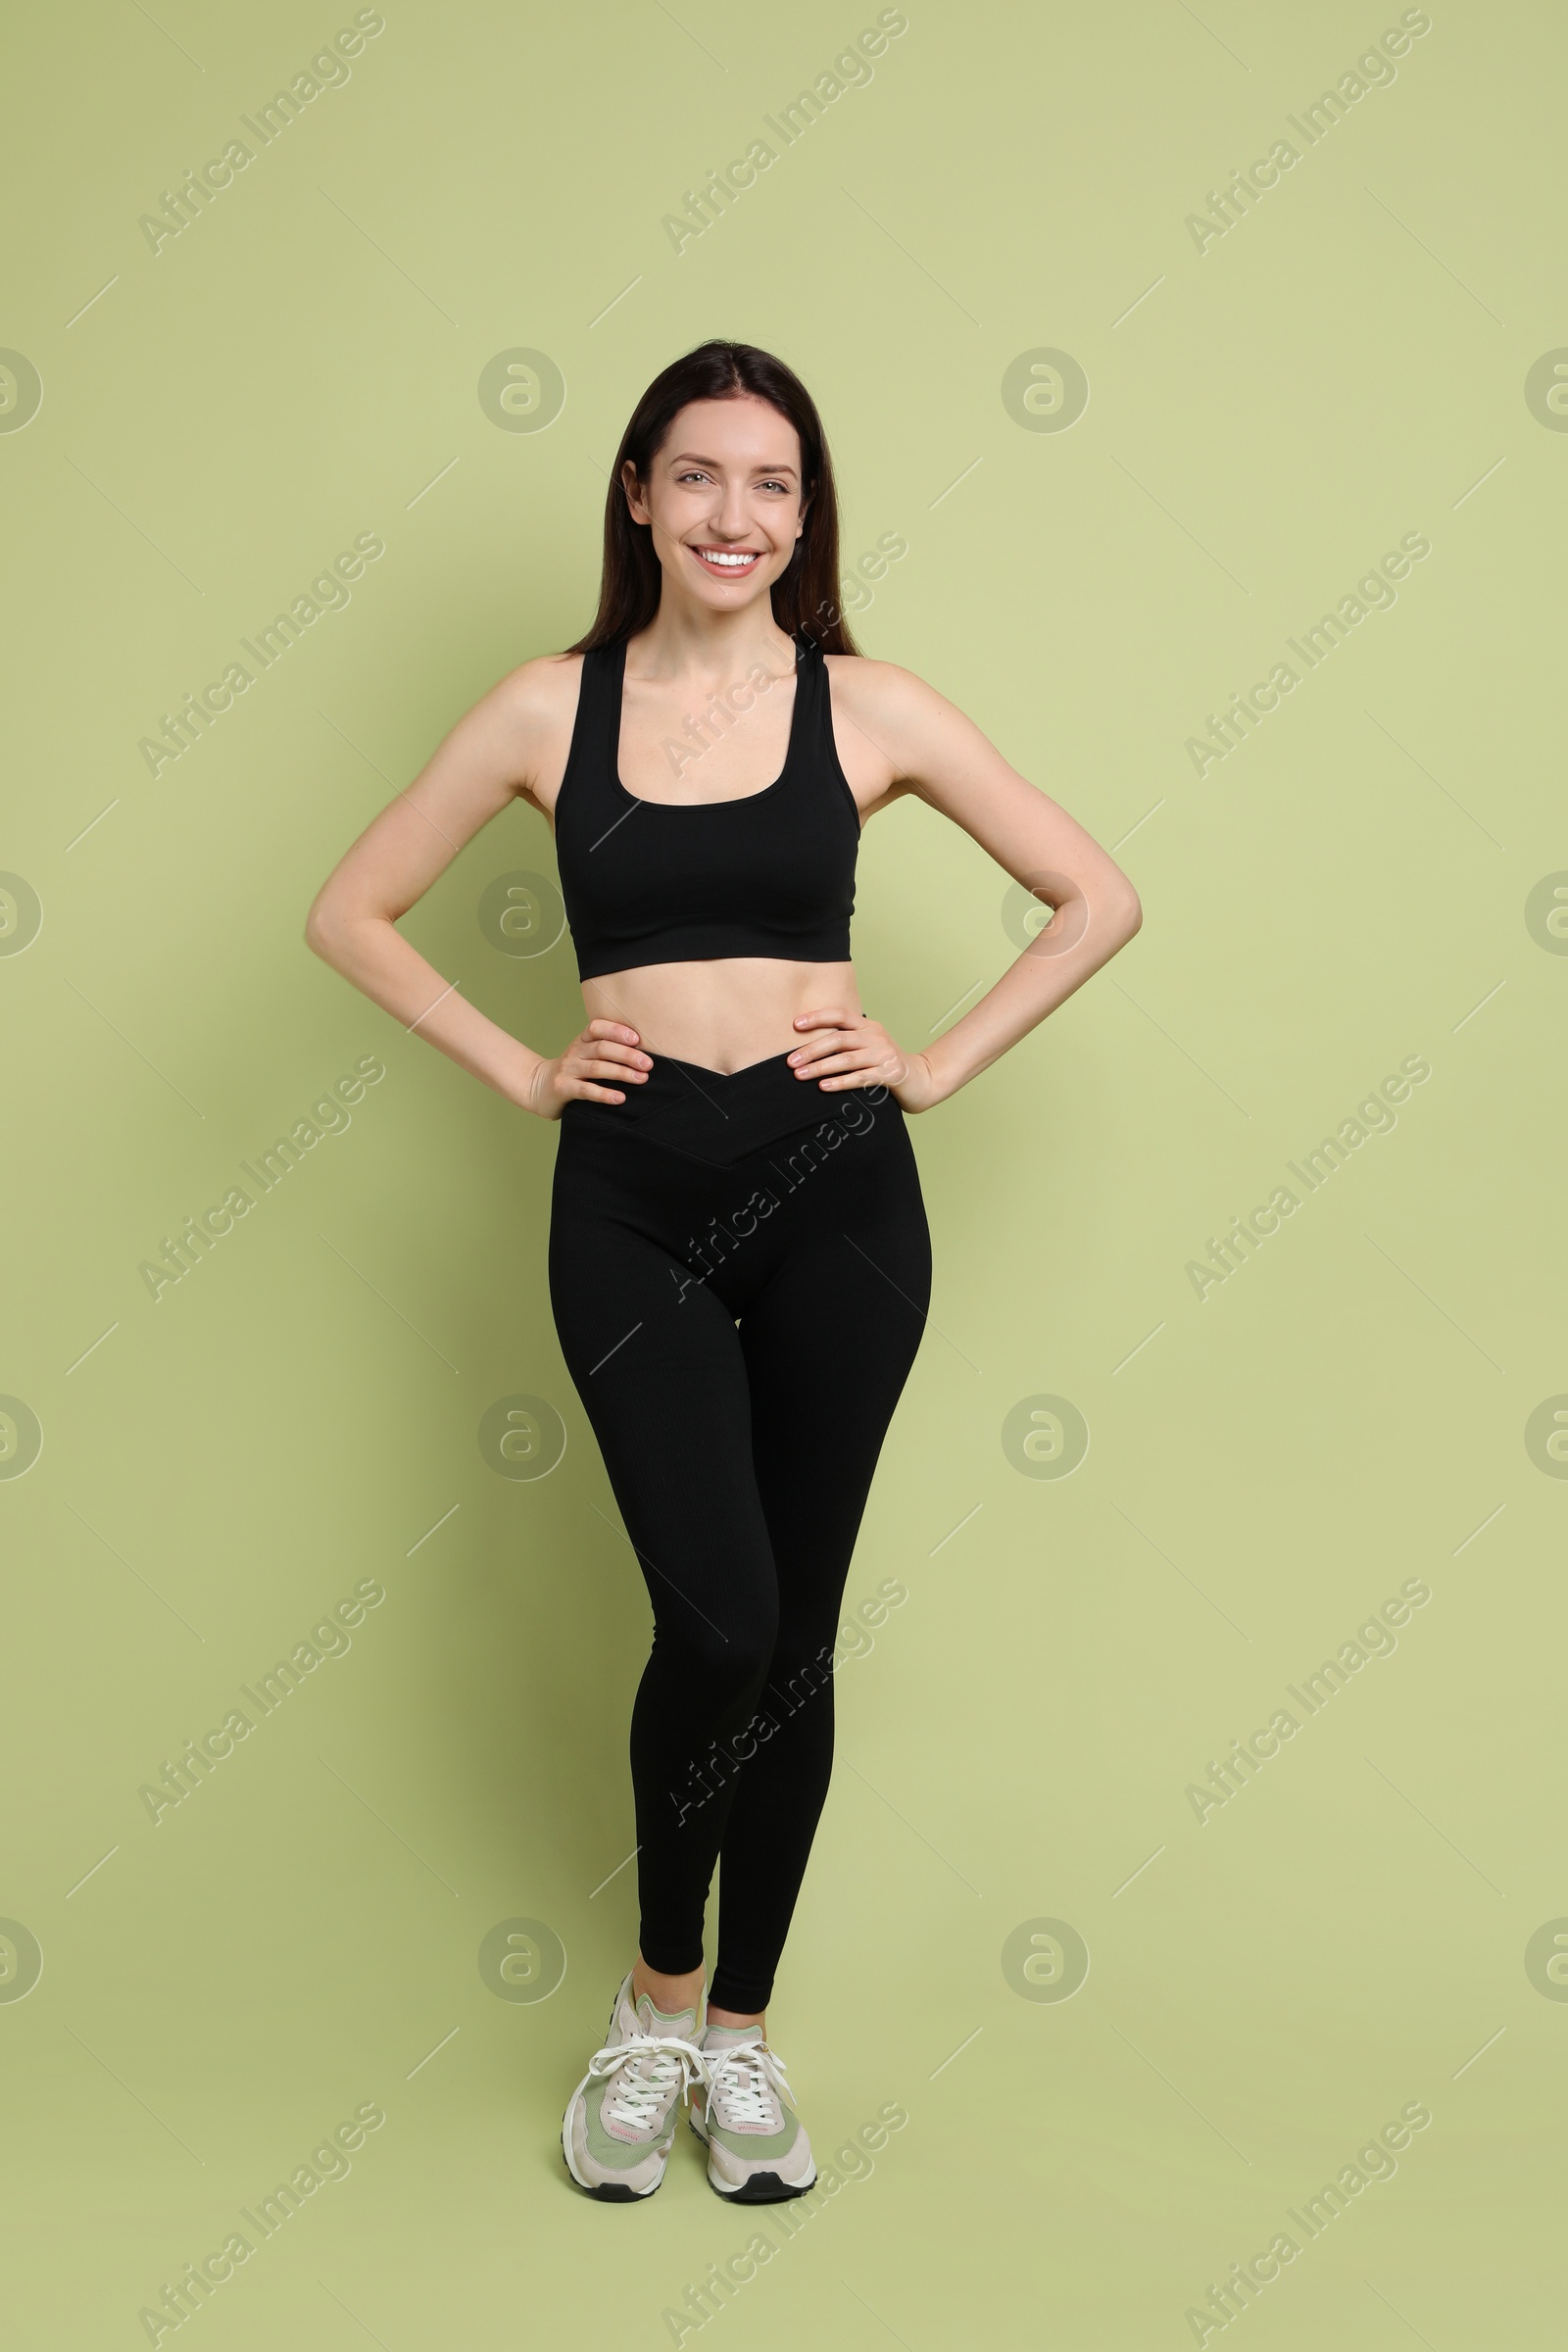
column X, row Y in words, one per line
column 733, row 521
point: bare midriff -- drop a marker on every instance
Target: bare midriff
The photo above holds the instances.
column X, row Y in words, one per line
column 723, row 1013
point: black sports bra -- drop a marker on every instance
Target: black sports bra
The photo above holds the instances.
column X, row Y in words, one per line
column 762, row 873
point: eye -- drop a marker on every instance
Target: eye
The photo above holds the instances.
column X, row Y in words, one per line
column 781, row 487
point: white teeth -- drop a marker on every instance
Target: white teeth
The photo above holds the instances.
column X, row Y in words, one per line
column 738, row 563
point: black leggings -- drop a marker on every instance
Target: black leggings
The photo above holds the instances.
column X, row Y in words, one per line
column 740, row 1270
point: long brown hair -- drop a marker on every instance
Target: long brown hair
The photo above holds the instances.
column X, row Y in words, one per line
column 805, row 596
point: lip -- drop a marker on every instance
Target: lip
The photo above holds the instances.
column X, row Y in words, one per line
column 729, row 572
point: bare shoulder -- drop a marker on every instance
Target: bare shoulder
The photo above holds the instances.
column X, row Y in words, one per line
column 534, row 709
column 889, row 717
column 883, row 697
column 868, row 732
column 872, row 690
column 540, row 692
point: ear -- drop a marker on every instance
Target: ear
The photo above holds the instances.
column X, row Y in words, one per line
column 633, row 494
column 805, row 503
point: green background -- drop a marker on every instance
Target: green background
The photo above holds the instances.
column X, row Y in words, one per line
column 1267, row 1987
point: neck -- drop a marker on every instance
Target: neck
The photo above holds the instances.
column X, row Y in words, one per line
column 691, row 640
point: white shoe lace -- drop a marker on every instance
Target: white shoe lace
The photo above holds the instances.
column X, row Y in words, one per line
column 651, row 2067
column 746, row 2080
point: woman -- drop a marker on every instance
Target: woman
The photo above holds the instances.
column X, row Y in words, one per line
column 739, row 1258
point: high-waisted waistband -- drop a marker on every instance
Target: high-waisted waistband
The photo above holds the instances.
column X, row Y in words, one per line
column 720, row 1117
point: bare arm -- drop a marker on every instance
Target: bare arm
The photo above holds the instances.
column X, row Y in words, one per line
column 942, row 757
column 489, row 757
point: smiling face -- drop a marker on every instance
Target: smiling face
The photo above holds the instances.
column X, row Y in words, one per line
column 723, row 501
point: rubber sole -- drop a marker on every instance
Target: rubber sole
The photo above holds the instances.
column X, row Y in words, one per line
column 762, row 2188
column 610, row 2192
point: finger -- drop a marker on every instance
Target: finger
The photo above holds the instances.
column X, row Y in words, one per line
column 585, row 1092
column 890, row 1072
column 824, row 1041
column 610, row 1049
column 836, row 1062
column 833, row 1016
column 865, row 1068
column 596, row 1068
column 808, row 1057
column 601, row 1028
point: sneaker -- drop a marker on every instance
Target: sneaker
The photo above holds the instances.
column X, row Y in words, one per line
column 758, row 2151
column 620, row 2119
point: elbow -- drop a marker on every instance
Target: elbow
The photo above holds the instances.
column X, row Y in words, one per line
column 1122, row 917
column 339, row 931
column 324, row 929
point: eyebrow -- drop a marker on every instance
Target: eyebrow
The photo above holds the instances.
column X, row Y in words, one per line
column 688, row 457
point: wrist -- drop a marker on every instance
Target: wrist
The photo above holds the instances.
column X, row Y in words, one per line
column 921, row 1084
column 525, row 1085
